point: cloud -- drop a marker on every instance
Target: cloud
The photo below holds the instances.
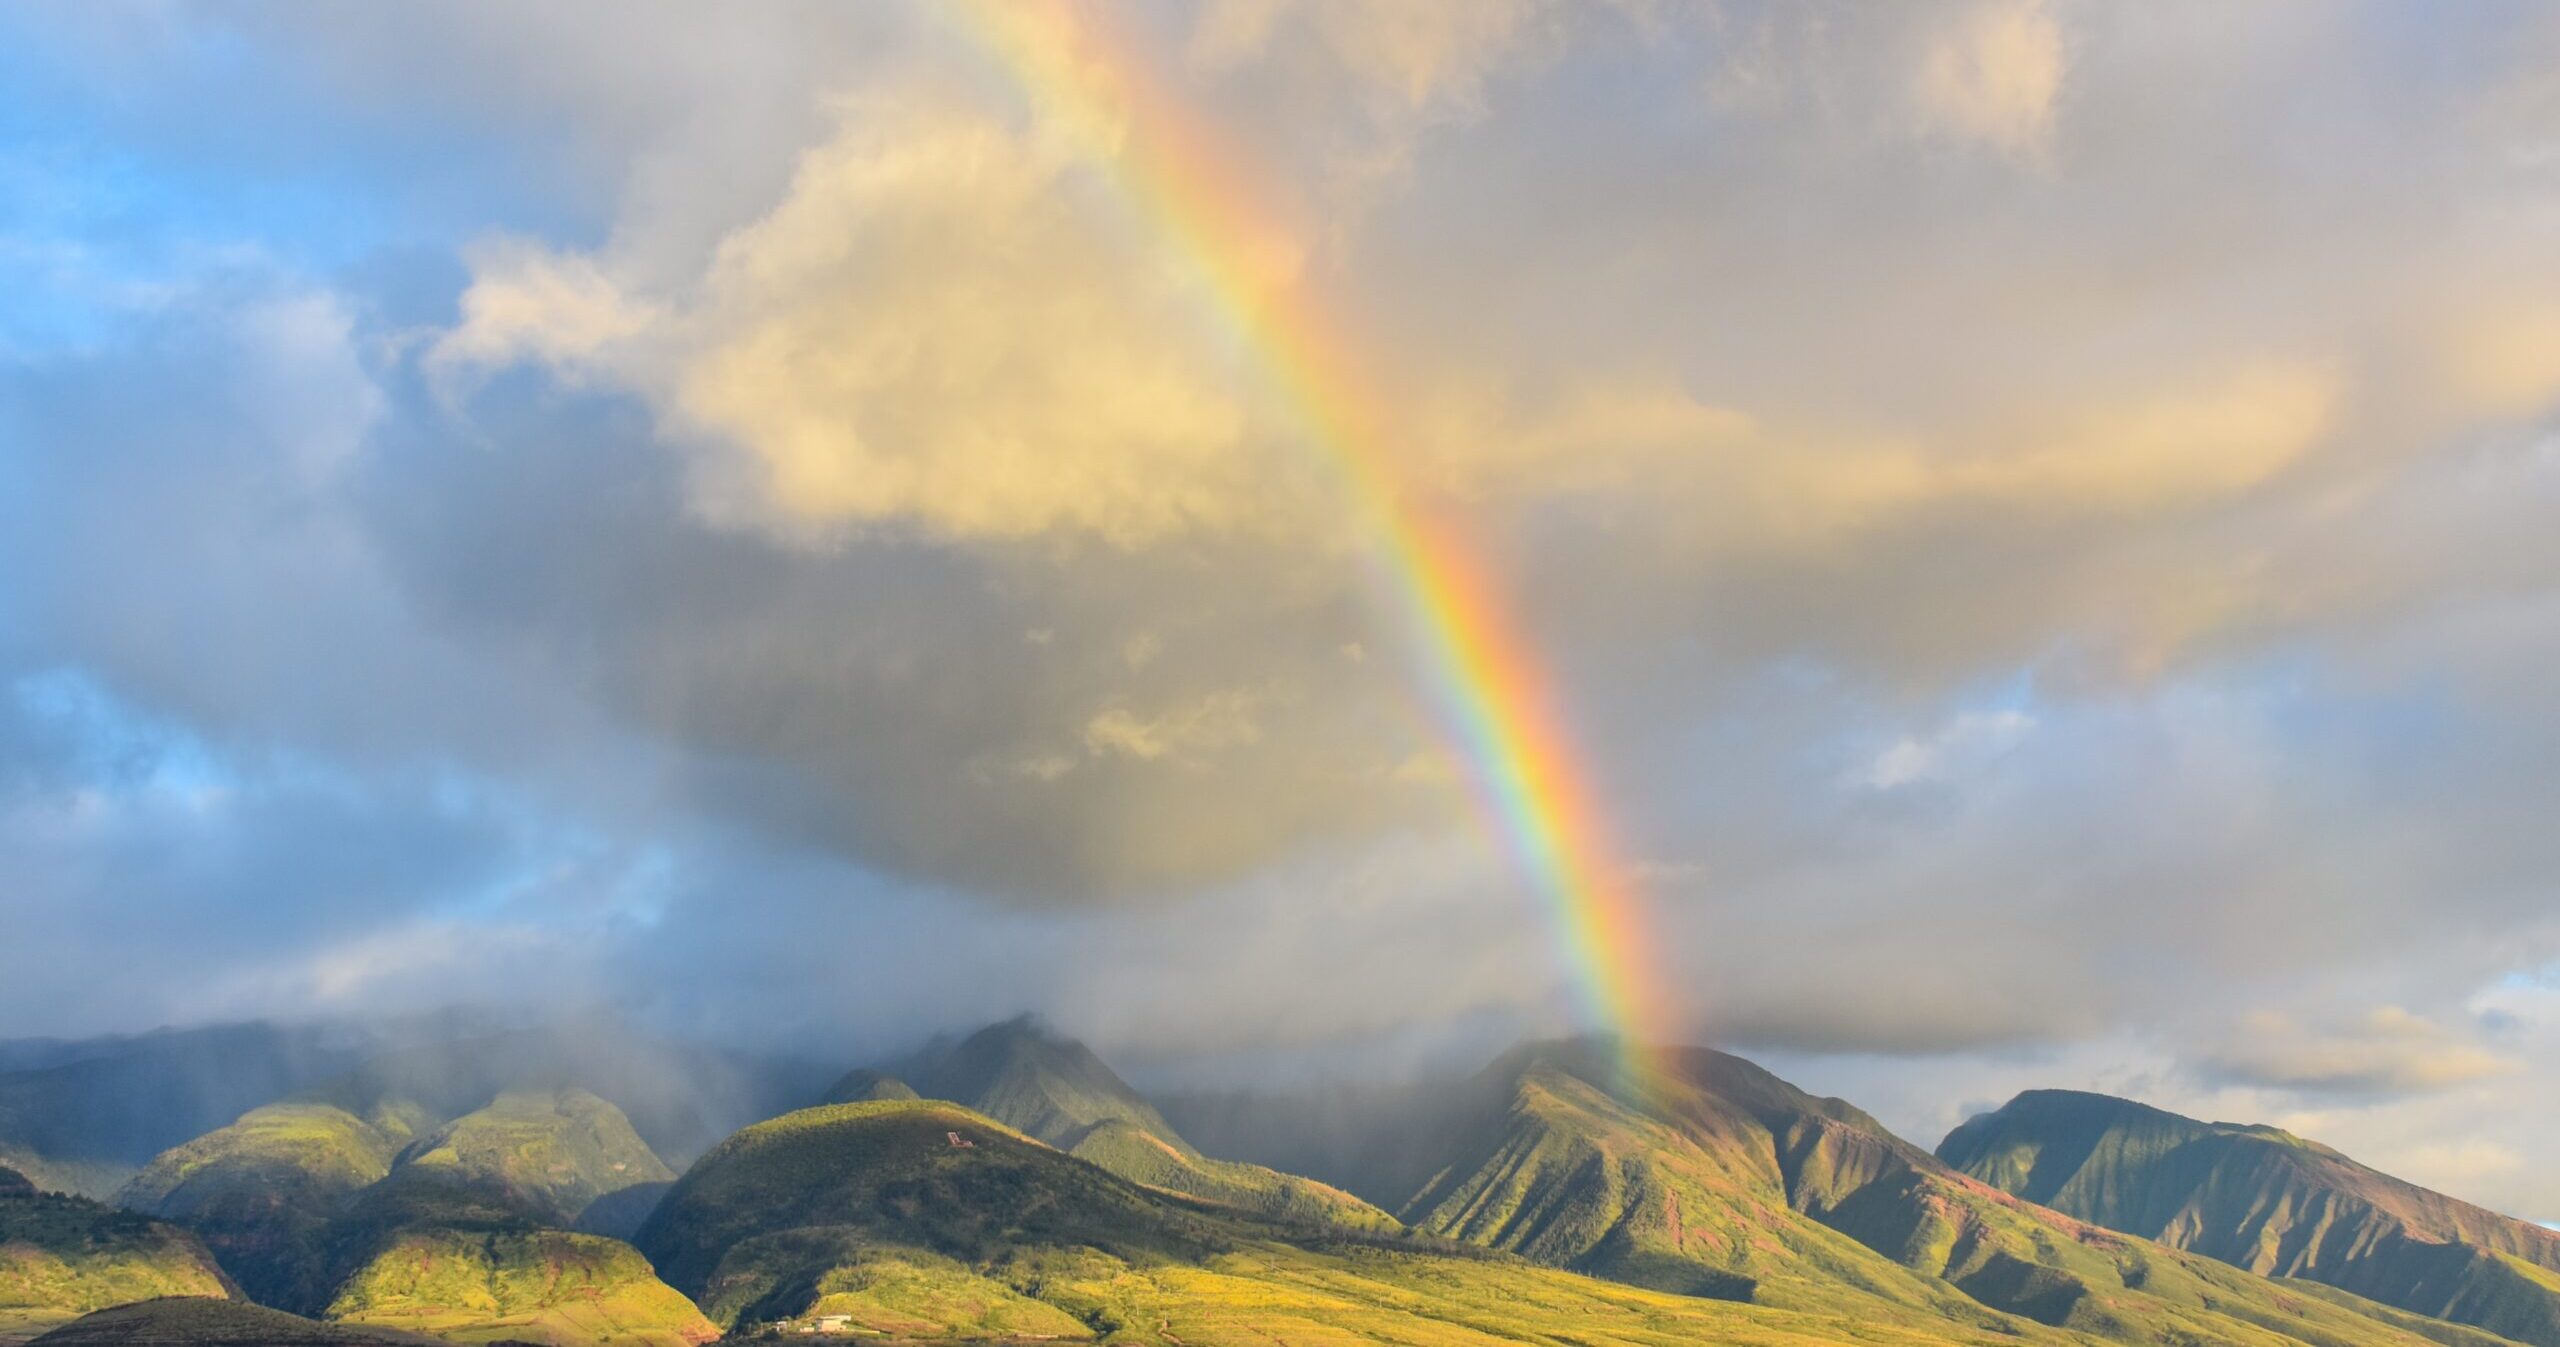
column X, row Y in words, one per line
column 935, row 327
column 1966, row 742
column 1995, row 76
column 1220, row 720
column 1436, row 52
column 527, row 302
column 2386, row 1051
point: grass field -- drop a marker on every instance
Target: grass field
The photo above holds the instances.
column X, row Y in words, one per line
column 62, row 1257
column 545, row 1286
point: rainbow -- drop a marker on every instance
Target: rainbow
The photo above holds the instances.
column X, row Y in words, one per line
column 1482, row 680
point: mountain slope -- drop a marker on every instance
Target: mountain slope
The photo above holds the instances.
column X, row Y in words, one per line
column 2268, row 1201
column 1726, row 1181
column 1140, row 1156
column 394, row 1219
column 62, row 1257
column 680, row 1097
column 264, row 1190
column 484, row 1285
column 551, row 1152
column 863, row 1087
column 460, row 1238
column 1057, row 1090
column 871, row 1210
column 85, row 1115
column 193, row 1322
column 1031, row 1080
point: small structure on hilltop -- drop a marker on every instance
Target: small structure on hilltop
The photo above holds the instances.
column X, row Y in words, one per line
column 961, row 1142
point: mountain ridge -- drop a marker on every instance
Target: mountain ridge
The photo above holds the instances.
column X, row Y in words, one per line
column 1055, row 1089
column 2267, row 1201
column 1719, row 1178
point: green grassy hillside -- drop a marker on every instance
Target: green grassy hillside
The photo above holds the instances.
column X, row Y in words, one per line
column 189, row 1322
column 890, row 1169
column 1141, row 1156
column 1056, row 1090
column 396, row 1220
column 550, row 1152
column 460, row 1238
column 62, row 1257
column 265, row 1190
column 546, row 1286
column 1031, row 1080
column 2263, row 1199
column 869, row 1210
column 1729, row 1182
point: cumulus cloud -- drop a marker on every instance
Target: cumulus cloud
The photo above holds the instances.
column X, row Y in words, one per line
column 929, row 329
column 2385, row 1051
column 1995, row 75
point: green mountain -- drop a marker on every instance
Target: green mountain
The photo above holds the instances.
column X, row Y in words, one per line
column 620, row 1214
column 679, row 1097
column 266, row 1190
column 192, row 1322
column 63, row 1256
column 83, row 1116
column 468, row 1282
column 2265, row 1200
column 451, row 1228
column 1057, row 1090
column 461, row 1237
column 1726, row 1181
column 874, row 1211
column 864, row 1087
column 551, row 1153
column 1034, row 1081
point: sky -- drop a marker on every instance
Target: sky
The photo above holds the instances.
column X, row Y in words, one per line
column 2035, row 518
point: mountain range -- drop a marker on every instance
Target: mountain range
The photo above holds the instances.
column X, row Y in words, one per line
column 2271, row 1202
column 565, row 1186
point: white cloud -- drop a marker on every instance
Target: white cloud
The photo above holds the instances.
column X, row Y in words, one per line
column 1967, row 743
column 2387, row 1050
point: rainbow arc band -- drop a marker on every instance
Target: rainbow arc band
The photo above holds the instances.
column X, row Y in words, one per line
column 1486, row 685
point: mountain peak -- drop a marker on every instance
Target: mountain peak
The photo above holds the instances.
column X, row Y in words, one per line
column 2263, row 1199
column 1026, row 1075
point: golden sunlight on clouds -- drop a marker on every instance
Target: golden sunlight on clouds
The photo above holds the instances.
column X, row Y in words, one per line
column 526, row 300
column 2386, row 1048
column 2506, row 362
column 1910, row 449
column 1220, row 720
column 935, row 326
column 2162, row 452
column 938, row 326
column 1995, row 77
column 1792, row 488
